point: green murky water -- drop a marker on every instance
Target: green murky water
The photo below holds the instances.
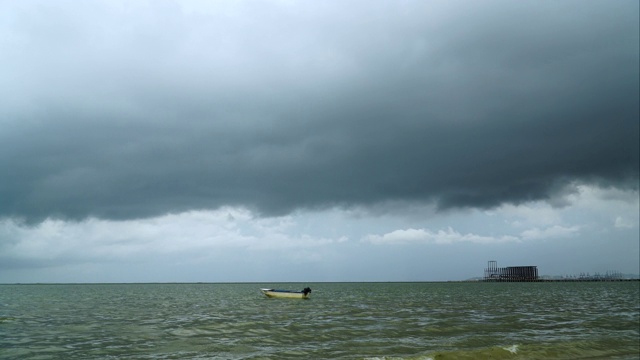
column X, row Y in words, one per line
column 341, row 320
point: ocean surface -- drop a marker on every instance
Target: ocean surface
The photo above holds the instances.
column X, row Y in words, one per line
column 595, row 320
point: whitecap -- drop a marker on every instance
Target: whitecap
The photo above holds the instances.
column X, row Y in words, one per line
column 512, row 349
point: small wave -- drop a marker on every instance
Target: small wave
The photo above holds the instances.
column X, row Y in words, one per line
column 5, row 319
column 494, row 352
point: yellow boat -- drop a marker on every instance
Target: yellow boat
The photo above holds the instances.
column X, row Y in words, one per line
column 287, row 294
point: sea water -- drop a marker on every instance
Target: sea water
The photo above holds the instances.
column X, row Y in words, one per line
column 595, row 320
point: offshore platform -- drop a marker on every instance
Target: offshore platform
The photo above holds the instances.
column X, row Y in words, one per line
column 510, row 273
column 493, row 273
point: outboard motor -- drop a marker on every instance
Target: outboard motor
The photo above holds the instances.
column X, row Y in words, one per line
column 306, row 291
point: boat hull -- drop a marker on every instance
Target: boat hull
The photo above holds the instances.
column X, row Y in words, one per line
column 285, row 294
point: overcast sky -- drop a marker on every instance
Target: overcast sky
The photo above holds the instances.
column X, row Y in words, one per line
column 317, row 141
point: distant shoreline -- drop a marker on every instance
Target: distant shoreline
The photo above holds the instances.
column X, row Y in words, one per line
column 560, row 280
column 333, row 282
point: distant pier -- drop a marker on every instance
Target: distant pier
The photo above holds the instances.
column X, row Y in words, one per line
column 493, row 273
column 510, row 273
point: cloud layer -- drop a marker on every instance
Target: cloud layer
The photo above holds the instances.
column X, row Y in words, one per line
column 596, row 232
column 116, row 110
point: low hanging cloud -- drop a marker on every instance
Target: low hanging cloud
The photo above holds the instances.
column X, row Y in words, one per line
column 553, row 232
column 451, row 236
column 122, row 111
column 624, row 223
column 186, row 235
column 423, row 236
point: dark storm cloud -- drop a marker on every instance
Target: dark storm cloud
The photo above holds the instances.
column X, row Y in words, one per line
column 122, row 112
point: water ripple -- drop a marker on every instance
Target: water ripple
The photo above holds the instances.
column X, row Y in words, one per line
column 234, row 321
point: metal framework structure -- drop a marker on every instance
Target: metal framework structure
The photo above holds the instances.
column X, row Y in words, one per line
column 510, row 273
